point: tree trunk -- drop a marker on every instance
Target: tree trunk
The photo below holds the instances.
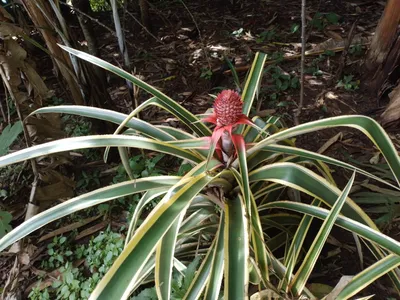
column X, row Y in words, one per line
column 95, row 77
column 144, row 14
column 383, row 61
column 62, row 60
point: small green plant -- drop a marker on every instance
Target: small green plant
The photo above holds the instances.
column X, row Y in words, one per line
column 68, row 285
column 238, row 33
column 356, row 49
column 73, row 282
column 79, row 126
column 268, row 35
column 37, row 294
column 59, row 252
column 8, row 136
column 281, row 82
column 314, row 69
column 57, row 101
column 76, row 126
column 348, row 83
column 5, row 219
column 103, row 5
column 179, row 285
column 102, row 251
column 206, row 73
column 294, row 28
column 140, row 166
column 12, row 180
column 88, row 180
column 321, row 20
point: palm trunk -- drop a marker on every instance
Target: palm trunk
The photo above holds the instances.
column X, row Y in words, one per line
column 383, row 61
column 62, row 60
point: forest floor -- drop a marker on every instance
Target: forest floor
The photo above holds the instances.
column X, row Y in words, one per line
column 184, row 57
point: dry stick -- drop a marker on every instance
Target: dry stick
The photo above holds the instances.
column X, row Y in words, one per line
column 303, row 55
column 6, row 119
column 124, row 15
column 26, row 135
column 8, row 106
column 32, row 208
column 96, row 21
column 350, row 37
column 291, row 57
column 3, row 114
column 200, row 37
column 145, row 29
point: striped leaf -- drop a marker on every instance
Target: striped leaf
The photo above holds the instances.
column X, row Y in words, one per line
column 122, row 276
column 369, row 275
column 96, row 141
column 161, row 99
column 138, row 125
column 164, row 259
column 236, row 250
column 87, row 200
column 366, row 125
column 217, row 267
column 304, row 271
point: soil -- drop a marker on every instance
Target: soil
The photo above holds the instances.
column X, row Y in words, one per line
column 186, row 43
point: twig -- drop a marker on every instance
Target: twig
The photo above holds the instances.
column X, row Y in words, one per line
column 135, row 98
column 7, row 105
column 32, row 208
column 291, row 57
column 144, row 27
column 26, row 133
column 3, row 114
column 95, row 20
column 200, row 37
column 343, row 58
column 303, row 52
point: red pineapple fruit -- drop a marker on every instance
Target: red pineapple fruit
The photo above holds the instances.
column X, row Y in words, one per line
column 227, row 115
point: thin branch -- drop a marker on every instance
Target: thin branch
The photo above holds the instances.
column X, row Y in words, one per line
column 144, row 27
column 96, row 21
column 303, row 55
column 200, row 37
column 343, row 58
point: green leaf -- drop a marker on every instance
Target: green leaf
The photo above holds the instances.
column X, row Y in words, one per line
column 122, row 276
column 302, row 179
column 332, row 18
column 8, row 136
column 161, row 99
column 164, row 259
column 236, row 250
column 304, row 271
column 258, row 243
column 197, row 285
column 369, row 275
column 86, row 142
column 253, row 82
column 138, row 125
column 84, row 201
column 238, row 141
column 254, row 160
column 293, row 253
column 366, row 125
column 5, row 219
column 362, row 230
column 217, row 267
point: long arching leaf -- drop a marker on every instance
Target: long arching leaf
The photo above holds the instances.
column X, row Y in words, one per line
column 165, row 101
column 85, row 201
column 122, row 276
column 86, row 142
